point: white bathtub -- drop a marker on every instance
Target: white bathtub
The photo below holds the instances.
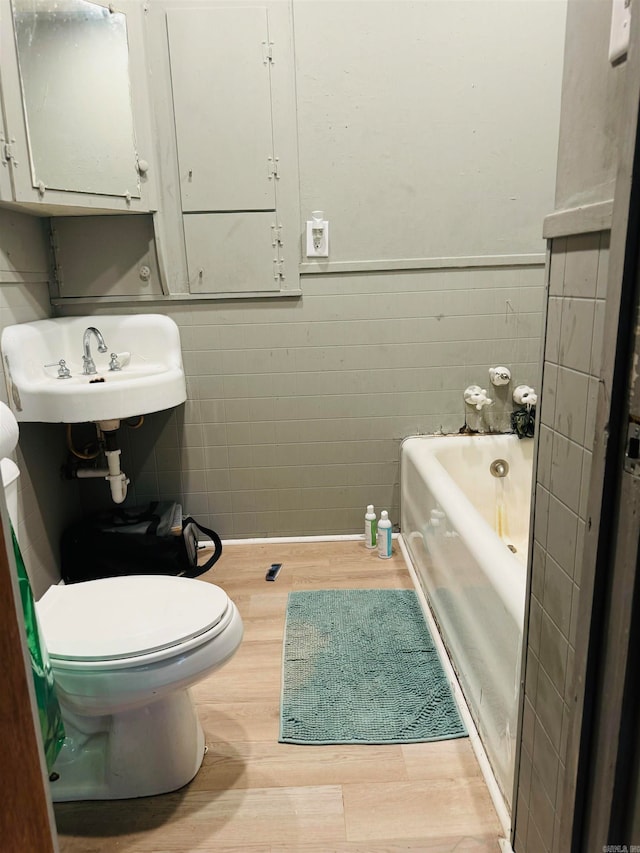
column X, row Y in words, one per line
column 467, row 534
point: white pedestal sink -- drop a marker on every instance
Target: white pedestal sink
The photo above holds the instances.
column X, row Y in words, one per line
column 151, row 377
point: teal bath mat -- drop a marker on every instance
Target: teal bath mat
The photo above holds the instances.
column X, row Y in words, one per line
column 360, row 666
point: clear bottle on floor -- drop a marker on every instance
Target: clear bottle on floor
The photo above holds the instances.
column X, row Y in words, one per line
column 370, row 525
column 384, row 535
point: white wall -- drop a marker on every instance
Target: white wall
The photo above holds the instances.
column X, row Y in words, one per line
column 591, row 95
column 429, row 129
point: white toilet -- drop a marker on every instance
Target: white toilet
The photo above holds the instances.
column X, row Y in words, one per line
column 124, row 652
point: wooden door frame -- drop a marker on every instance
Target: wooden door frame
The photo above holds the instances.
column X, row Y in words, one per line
column 26, row 818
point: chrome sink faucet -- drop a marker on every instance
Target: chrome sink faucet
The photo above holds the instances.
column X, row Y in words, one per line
column 89, row 367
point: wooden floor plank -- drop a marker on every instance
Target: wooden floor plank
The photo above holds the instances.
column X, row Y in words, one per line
column 447, row 844
column 260, row 764
column 417, row 809
column 240, row 721
column 207, row 819
column 252, row 674
column 447, row 759
column 254, row 795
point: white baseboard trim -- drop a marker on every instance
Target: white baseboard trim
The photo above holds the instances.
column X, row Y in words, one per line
column 283, row 540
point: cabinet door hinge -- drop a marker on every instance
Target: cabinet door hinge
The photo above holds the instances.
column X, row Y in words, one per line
column 267, row 52
column 278, row 269
column 6, row 148
column 273, row 165
column 276, row 236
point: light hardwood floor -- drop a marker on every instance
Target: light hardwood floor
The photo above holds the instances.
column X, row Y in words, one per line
column 254, row 795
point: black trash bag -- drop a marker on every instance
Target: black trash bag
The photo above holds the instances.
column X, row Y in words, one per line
column 148, row 540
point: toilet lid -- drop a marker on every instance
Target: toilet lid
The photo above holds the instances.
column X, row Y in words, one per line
column 126, row 617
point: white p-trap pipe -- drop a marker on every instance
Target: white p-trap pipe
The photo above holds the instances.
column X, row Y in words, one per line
column 118, row 480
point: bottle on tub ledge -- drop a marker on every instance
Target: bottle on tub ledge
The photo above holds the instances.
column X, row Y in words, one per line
column 384, row 536
column 370, row 528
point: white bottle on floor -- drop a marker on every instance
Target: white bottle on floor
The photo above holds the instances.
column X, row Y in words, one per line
column 384, row 536
column 370, row 528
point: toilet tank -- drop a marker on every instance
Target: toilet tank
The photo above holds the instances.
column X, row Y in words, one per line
column 10, row 474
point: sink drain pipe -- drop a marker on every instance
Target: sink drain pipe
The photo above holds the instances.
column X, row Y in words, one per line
column 118, row 480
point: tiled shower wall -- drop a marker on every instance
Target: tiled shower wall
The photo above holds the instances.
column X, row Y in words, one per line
column 573, row 348
column 296, row 408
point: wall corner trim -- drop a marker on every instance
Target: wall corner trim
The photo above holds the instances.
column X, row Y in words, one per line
column 578, row 220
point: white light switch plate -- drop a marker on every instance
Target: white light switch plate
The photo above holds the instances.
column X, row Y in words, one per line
column 620, row 26
column 323, row 249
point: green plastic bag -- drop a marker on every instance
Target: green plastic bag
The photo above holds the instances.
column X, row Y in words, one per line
column 48, row 706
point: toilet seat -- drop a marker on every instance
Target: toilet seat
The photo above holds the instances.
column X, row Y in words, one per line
column 131, row 621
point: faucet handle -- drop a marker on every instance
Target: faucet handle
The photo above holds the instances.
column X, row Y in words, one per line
column 524, row 395
column 114, row 364
column 63, row 370
column 499, row 375
column 476, row 396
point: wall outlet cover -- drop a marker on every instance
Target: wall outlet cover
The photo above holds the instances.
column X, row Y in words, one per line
column 321, row 250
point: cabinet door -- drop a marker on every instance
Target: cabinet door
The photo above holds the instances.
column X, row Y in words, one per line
column 220, row 77
column 105, row 256
column 231, row 252
column 67, row 107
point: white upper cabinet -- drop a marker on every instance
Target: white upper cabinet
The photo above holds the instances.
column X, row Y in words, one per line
column 70, row 139
column 217, row 83
column 220, row 77
column 224, row 106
